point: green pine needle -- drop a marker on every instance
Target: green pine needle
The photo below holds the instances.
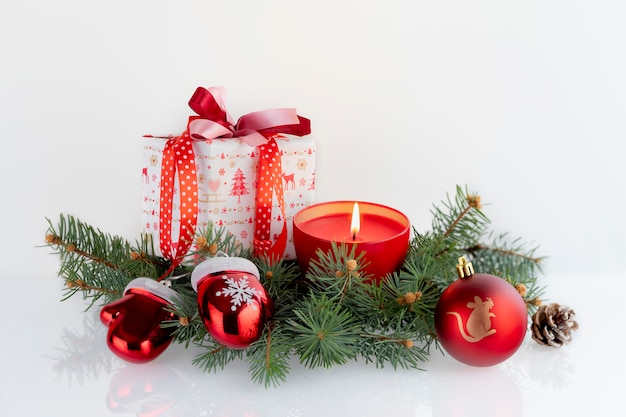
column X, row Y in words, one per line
column 215, row 356
column 269, row 357
column 325, row 333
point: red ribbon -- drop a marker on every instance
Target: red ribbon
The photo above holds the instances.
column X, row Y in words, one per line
column 178, row 158
column 213, row 121
column 269, row 185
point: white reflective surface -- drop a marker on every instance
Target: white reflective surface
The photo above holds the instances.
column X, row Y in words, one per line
column 55, row 362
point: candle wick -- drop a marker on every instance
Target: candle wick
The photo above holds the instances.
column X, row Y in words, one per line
column 353, row 236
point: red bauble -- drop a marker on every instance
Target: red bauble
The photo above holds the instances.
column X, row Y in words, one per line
column 480, row 319
column 135, row 333
column 233, row 304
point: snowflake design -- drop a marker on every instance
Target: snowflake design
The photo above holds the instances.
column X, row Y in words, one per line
column 239, row 292
column 301, row 164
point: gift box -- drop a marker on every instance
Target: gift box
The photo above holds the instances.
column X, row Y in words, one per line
column 230, row 191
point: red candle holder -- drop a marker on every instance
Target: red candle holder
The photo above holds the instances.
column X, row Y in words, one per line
column 383, row 234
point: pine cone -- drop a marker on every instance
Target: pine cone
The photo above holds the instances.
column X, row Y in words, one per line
column 552, row 325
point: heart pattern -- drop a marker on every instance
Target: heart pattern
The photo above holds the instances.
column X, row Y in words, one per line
column 214, row 185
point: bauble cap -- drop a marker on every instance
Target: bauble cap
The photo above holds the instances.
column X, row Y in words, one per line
column 219, row 264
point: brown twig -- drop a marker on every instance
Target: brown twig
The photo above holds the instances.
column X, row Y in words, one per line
column 70, row 247
column 473, row 201
column 480, row 246
column 218, row 350
column 456, row 221
column 408, row 343
column 84, row 287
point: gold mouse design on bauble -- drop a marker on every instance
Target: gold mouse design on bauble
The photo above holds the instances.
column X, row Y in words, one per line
column 479, row 321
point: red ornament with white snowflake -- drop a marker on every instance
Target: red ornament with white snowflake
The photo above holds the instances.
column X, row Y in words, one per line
column 232, row 302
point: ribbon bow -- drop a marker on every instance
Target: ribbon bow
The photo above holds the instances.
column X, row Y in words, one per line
column 256, row 129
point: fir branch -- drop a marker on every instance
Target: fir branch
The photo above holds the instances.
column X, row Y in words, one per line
column 473, row 202
column 338, row 271
column 189, row 326
column 503, row 251
column 398, row 349
column 73, row 236
column 269, row 357
column 211, row 240
column 503, row 255
column 427, row 262
column 148, row 259
column 373, row 306
column 324, row 332
column 54, row 240
column 79, row 284
column 94, row 263
column 326, row 316
column 283, row 282
column 214, row 355
column 460, row 222
column 94, row 282
column 529, row 291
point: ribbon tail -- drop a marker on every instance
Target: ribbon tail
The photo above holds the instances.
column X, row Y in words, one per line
column 273, row 251
column 178, row 158
column 301, row 128
column 270, row 186
column 274, row 121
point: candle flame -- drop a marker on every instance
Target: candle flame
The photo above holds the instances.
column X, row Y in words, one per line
column 355, row 224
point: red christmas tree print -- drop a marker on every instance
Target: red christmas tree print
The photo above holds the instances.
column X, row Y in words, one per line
column 239, row 185
column 312, row 184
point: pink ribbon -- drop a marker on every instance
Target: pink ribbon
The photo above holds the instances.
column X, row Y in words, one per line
column 256, row 129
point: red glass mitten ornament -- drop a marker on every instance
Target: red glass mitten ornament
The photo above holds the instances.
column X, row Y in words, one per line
column 233, row 304
column 480, row 319
column 135, row 333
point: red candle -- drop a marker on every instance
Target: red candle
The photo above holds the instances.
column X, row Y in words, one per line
column 379, row 231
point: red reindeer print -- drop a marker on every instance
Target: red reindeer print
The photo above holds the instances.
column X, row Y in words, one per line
column 288, row 178
column 144, row 175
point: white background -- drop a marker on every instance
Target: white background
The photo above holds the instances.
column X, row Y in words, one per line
column 522, row 101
